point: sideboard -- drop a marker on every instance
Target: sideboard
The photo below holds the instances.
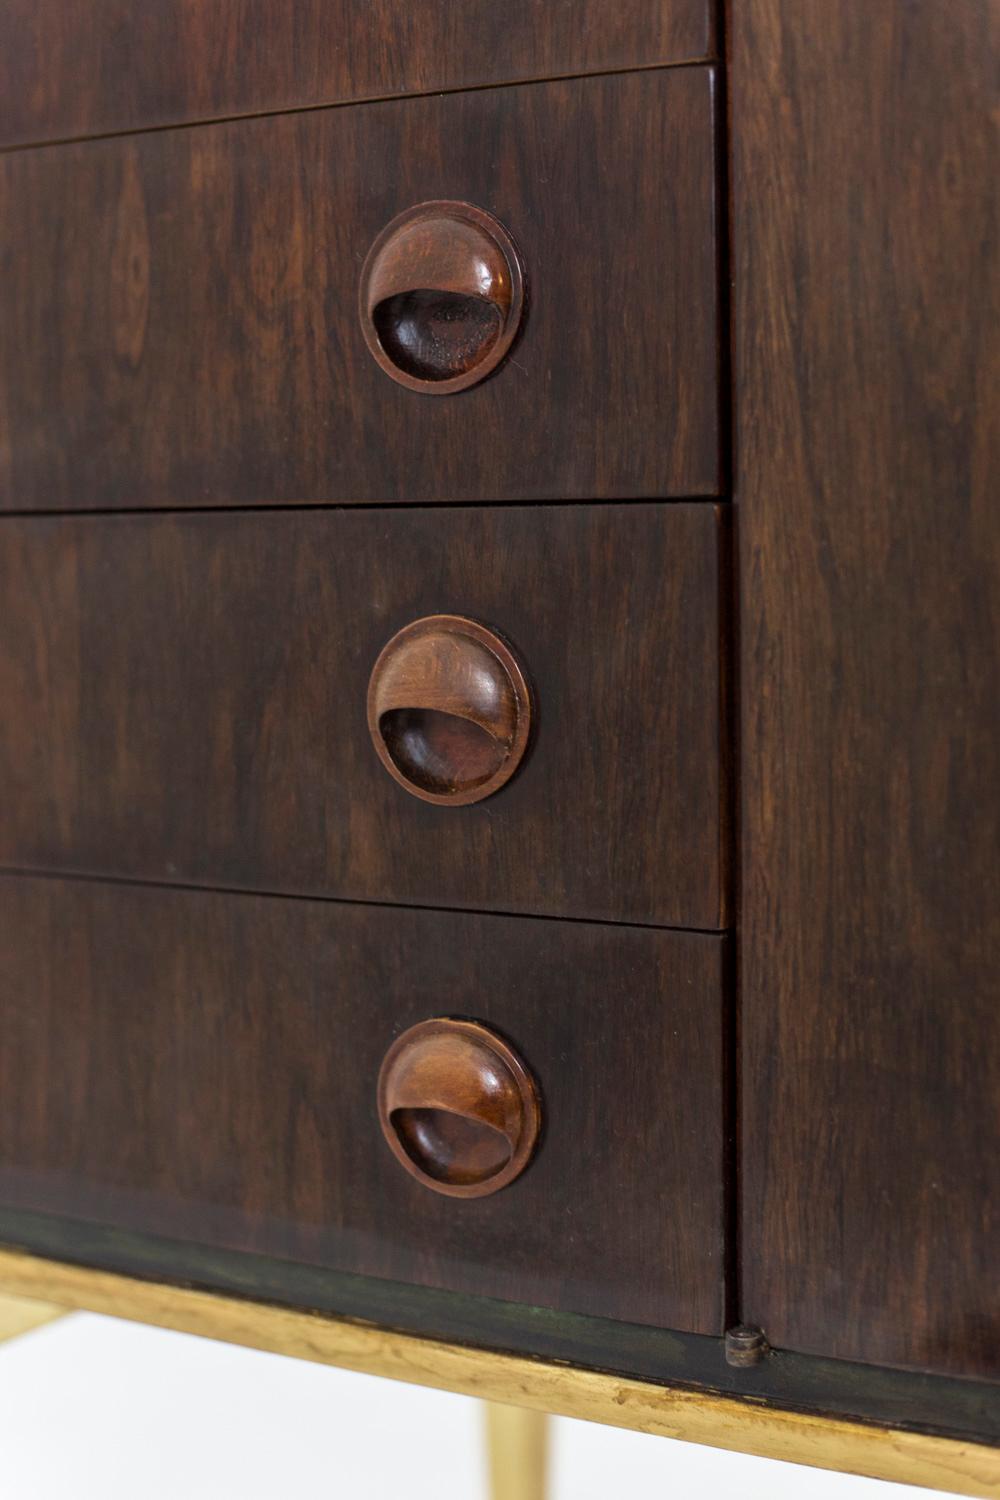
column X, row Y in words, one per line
column 499, row 642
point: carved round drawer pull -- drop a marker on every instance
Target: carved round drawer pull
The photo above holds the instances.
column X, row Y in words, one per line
column 458, row 1107
column 449, row 710
column 442, row 295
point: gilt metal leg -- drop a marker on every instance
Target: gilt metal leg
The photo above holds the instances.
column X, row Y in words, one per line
column 20, row 1315
column 517, row 1449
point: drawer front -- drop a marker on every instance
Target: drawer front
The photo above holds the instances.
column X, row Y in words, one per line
column 119, row 66
column 181, row 309
column 204, row 1066
column 186, row 701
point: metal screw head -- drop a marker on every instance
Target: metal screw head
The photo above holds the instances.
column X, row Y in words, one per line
column 745, row 1346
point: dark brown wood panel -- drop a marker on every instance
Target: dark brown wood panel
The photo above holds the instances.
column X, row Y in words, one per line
column 126, row 64
column 866, row 300
column 204, row 1066
column 180, row 310
column 185, row 700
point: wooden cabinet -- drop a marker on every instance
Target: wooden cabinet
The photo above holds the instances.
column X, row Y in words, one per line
column 188, row 696
column 379, row 646
column 183, row 320
column 204, row 1067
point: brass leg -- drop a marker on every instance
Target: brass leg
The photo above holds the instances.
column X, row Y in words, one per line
column 20, row 1315
column 517, row 1449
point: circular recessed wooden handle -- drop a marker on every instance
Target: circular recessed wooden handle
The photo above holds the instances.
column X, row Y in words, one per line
column 442, row 293
column 449, row 710
column 458, row 1107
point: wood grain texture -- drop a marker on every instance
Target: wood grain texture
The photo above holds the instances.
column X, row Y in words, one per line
column 186, row 701
column 205, row 1066
column 125, row 65
column 866, row 306
column 693, row 1416
column 449, row 710
column 458, row 1107
column 440, row 297
column 180, row 309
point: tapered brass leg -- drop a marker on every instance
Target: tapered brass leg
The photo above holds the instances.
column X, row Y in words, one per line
column 517, row 1450
column 20, row 1314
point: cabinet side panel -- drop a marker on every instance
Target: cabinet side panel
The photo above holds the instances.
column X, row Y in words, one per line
column 866, row 305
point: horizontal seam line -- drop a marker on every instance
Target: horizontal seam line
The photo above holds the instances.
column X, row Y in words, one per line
column 14, row 872
column 301, row 507
column 306, row 109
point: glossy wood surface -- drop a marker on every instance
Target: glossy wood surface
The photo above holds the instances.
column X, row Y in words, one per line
column 449, row 710
column 204, row 1066
column 180, row 309
column 458, row 1107
column 125, row 64
column 867, row 373
column 186, row 701
column 441, row 297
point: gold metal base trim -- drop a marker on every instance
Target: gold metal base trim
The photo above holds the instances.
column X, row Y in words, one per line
column 692, row 1416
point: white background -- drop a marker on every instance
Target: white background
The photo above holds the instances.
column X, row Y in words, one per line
column 97, row 1409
